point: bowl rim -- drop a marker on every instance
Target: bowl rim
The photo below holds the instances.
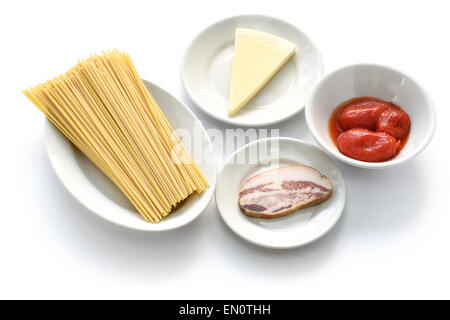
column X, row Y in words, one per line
column 48, row 126
column 363, row 164
column 190, row 92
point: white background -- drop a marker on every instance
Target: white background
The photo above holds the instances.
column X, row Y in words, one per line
column 393, row 240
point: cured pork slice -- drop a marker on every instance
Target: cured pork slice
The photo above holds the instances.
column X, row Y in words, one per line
column 281, row 191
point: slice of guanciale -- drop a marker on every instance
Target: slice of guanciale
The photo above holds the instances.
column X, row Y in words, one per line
column 281, row 191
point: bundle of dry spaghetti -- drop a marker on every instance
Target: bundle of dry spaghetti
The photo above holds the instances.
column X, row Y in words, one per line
column 103, row 107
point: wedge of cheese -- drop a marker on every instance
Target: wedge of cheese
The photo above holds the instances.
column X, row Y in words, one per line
column 257, row 58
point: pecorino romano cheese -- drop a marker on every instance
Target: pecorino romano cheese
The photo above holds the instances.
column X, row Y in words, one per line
column 258, row 56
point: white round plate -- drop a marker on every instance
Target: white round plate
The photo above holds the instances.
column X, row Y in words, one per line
column 206, row 72
column 296, row 229
column 374, row 80
column 99, row 194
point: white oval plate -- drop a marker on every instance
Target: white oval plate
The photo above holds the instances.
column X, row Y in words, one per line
column 99, row 194
column 206, row 72
column 294, row 230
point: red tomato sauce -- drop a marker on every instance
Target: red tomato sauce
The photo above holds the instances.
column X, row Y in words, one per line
column 373, row 115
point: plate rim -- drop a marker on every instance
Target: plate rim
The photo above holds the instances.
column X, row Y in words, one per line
column 49, row 126
column 338, row 215
column 230, row 120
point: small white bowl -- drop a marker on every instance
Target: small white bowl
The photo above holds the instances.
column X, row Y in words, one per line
column 99, row 194
column 377, row 81
column 206, row 72
column 296, row 229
